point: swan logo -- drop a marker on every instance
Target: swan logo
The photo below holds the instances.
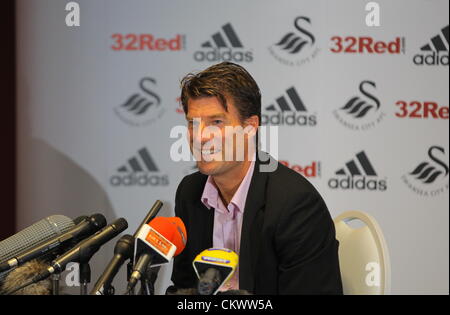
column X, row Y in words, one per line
column 361, row 112
column 429, row 177
column 143, row 107
column 298, row 47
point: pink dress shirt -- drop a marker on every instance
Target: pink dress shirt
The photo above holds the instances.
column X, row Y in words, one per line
column 228, row 219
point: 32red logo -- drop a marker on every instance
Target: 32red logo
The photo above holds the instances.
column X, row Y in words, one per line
column 366, row 44
column 130, row 42
column 421, row 110
column 311, row 170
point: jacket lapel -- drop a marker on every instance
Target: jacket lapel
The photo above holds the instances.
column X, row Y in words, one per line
column 251, row 229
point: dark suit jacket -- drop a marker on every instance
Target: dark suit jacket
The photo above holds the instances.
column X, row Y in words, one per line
column 288, row 243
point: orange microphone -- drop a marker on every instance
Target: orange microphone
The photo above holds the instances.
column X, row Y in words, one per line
column 156, row 244
column 172, row 229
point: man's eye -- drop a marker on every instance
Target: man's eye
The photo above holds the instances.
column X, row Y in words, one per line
column 217, row 122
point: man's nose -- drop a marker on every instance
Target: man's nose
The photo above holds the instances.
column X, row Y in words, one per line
column 203, row 134
column 197, row 134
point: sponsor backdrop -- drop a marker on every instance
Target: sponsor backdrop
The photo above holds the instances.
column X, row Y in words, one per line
column 362, row 111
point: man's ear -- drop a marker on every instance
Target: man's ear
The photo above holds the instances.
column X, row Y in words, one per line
column 253, row 121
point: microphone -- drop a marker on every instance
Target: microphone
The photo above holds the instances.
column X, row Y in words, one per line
column 156, row 244
column 87, row 227
column 34, row 234
column 122, row 251
column 214, row 267
column 82, row 252
column 173, row 290
column 150, row 216
column 24, row 274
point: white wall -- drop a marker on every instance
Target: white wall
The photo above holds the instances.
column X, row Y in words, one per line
column 73, row 135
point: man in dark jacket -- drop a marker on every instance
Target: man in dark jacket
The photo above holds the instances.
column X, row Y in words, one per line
column 270, row 215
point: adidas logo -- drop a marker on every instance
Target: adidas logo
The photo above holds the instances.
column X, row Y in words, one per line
column 283, row 113
column 283, row 104
column 223, row 46
column 141, row 108
column 136, row 172
column 143, row 162
column 436, row 52
column 437, row 44
column 219, row 40
column 358, row 174
column 352, row 168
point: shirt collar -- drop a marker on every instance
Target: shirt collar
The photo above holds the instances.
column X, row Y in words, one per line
column 210, row 196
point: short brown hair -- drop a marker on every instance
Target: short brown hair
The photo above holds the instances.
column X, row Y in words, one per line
column 223, row 80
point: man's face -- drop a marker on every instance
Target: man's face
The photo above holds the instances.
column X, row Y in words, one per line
column 216, row 148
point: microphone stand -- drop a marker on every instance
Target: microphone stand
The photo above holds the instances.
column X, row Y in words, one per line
column 109, row 290
column 147, row 287
column 129, row 272
column 85, row 277
column 107, row 283
column 55, row 283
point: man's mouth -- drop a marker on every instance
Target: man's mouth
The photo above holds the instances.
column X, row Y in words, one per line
column 207, row 152
column 210, row 151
